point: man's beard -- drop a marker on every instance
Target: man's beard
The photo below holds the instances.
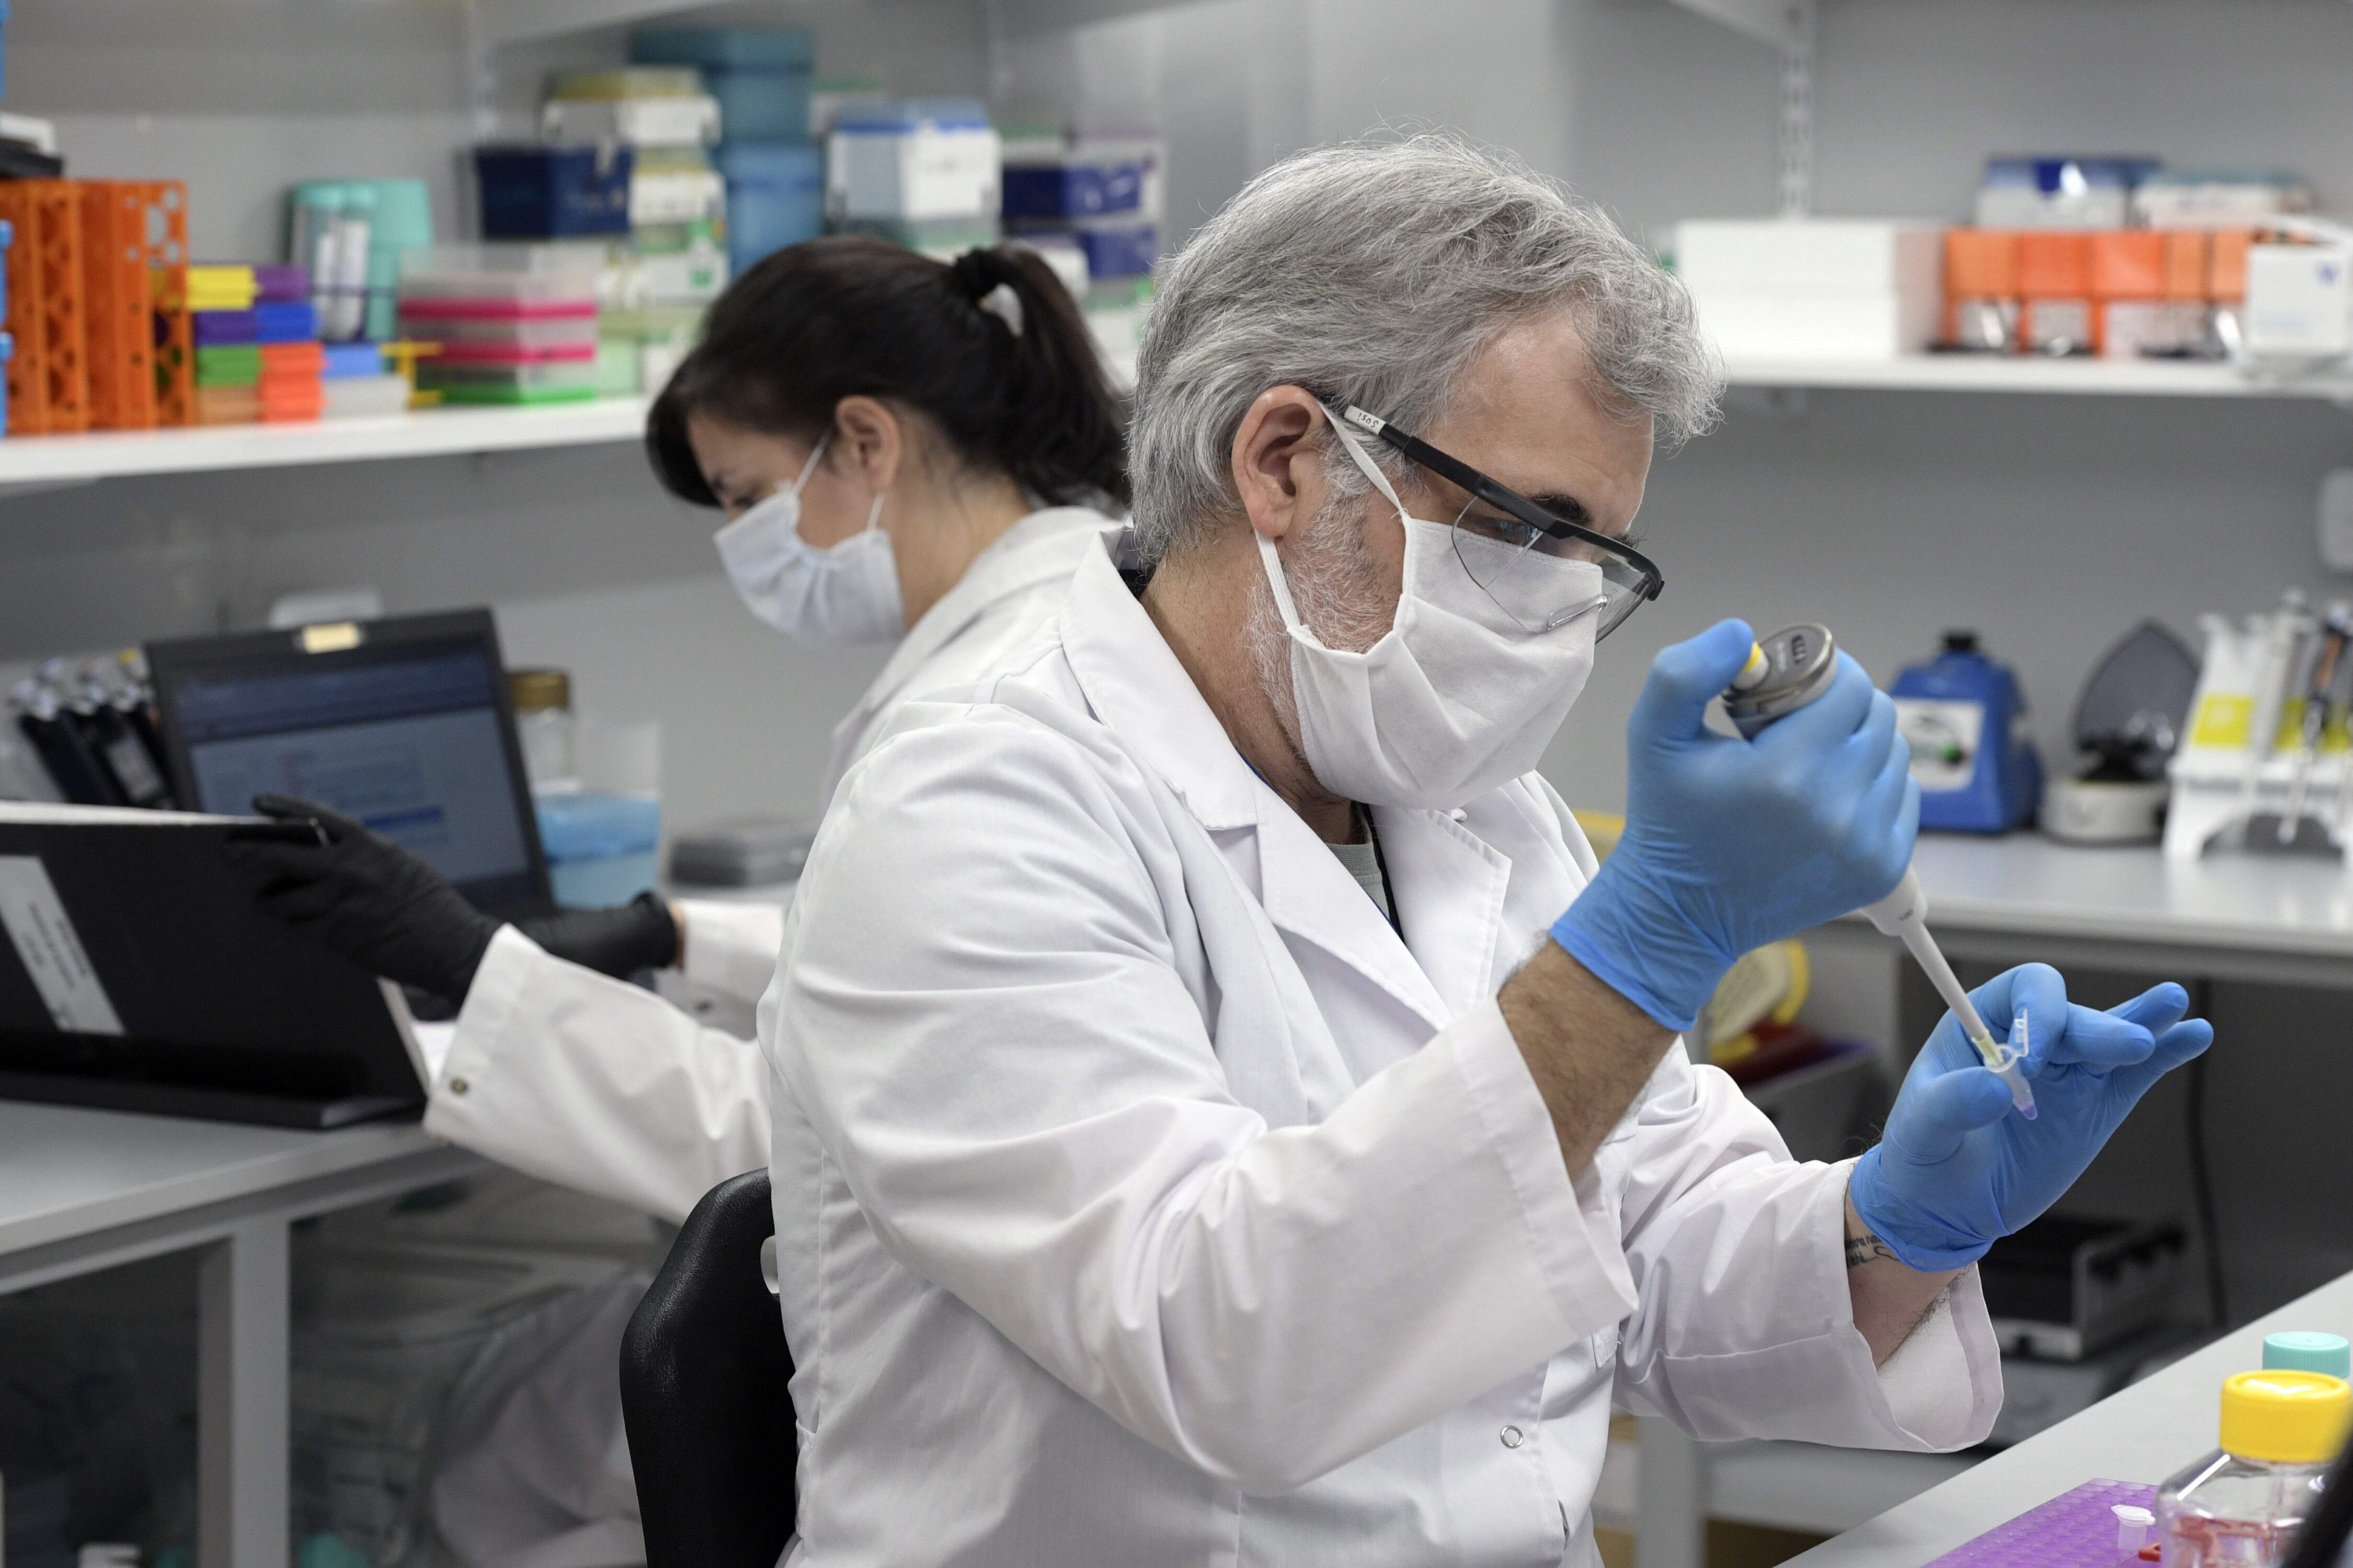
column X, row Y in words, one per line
column 1337, row 588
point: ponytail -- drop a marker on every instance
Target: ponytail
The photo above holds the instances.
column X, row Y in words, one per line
column 991, row 348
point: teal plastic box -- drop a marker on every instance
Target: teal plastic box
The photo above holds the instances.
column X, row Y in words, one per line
column 761, row 76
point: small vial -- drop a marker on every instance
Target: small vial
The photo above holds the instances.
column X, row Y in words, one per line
column 2240, row 1507
column 2132, row 1525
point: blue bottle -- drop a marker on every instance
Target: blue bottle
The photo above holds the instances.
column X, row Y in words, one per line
column 1965, row 720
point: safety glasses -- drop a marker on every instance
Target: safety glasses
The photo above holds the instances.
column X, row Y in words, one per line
column 1509, row 544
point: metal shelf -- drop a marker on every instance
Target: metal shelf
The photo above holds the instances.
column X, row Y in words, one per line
column 44, row 461
column 2063, row 377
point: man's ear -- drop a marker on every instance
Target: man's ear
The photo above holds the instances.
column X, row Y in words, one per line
column 1278, row 461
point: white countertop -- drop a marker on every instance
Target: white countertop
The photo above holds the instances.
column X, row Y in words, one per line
column 2143, row 1434
column 2029, row 884
column 67, row 1171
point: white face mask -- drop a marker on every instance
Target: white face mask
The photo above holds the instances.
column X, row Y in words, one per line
column 1455, row 698
column 847, row 593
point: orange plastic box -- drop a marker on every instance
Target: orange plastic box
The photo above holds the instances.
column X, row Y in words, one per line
column 2127, row 264
column 2055, row 265
column 225, row 405
column 2186, row 251
column 49, row 379
column 1980, row 263
column 2226, row 273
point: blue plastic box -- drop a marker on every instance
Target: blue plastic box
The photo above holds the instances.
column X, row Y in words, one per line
column 776, row 196
column 1115, row 249
column 285, row 322
column 344, row 360
column 553, row 193
column 7, row 233
column 7, row 353
column 1073, row 187
column 761, row 76
column 602, row 849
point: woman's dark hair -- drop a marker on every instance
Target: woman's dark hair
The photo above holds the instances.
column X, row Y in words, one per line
column 849, row 315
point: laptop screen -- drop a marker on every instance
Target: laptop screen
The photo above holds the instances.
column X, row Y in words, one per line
column 409, row 736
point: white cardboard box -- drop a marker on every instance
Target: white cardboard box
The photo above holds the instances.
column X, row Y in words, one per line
column 1817, row 327
column 1811, row 256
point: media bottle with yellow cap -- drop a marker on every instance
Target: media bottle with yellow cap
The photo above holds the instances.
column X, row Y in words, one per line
column 2239, row 1506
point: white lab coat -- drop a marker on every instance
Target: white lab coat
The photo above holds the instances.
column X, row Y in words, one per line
column 1141, row 1197
column 600, row 1085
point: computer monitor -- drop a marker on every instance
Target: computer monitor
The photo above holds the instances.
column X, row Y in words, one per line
column 403, row 724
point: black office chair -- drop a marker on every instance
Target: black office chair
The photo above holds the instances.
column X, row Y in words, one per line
column 705, row 1393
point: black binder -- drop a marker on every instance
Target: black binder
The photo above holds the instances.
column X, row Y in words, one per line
column 136, row 974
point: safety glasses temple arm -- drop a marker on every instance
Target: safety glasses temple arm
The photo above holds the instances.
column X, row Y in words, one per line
column 1464, row 476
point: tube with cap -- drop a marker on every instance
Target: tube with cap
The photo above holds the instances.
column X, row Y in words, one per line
column 1783, row 673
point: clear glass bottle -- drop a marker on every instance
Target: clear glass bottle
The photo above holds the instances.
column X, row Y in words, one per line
column 2239, row 1506
column 543, row 725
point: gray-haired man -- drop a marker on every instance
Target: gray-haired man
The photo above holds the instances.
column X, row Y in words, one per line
column 1190, row 1149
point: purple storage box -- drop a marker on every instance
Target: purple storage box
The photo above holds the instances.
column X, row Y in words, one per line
column 2073, row 1530
column 274, row 281
column 285, row 322
column 214, row 327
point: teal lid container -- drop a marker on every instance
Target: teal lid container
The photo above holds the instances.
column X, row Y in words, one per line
column 2301, row 1350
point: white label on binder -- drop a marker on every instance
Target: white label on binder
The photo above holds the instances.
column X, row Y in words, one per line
column 51, row 951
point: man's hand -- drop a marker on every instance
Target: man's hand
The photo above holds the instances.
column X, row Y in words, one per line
column 1732, row 844
column 1958, row 1170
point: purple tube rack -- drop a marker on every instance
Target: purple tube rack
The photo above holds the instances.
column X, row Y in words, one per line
column 2073, row 1530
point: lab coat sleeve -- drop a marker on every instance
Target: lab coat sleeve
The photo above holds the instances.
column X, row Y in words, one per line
column 595, row 1084
column 1745, row 1328
column 1003, row 1055
column 732, row 948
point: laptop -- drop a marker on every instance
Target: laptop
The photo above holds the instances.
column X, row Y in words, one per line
column 403, row 724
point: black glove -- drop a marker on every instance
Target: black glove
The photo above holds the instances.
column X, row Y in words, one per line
column 368, row 899
column 640, row 934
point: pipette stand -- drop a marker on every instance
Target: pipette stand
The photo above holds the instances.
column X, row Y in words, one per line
column 2253, row 674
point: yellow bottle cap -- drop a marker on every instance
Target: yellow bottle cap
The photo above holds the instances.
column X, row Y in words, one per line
column 2285, row 1417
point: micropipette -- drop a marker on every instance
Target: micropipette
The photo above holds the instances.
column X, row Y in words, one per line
column 1783, row 673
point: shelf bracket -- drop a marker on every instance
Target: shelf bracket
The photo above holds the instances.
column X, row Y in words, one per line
column 1795, row 138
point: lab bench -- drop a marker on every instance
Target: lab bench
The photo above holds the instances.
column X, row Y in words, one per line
column 2234, row 915
column 2143, row 1434
column 82, row 1191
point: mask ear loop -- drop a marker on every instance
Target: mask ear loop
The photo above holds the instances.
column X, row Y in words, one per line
column 817, row 452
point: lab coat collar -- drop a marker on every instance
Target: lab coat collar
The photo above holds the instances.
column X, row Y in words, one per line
column 1134, row 683
column 1037, row 549
column 1448, row 883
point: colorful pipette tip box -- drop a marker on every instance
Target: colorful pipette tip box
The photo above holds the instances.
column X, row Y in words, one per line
column 280, row 282
column 2073, row 1530
column 214, row 327
column 285, row 320
column 222, row 288
column 228, row 364
column 348, row 362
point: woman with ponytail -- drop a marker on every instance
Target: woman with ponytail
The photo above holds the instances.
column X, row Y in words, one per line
column 904, row 449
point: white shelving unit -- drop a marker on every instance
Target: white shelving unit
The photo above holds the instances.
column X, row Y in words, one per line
column 41, row 462
column 2066, row 377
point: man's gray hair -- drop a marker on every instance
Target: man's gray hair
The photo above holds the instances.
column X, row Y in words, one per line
column 1373, row 274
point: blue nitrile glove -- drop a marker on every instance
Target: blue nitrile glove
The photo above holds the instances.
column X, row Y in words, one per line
column 1958, row 1170
column 1732, row 844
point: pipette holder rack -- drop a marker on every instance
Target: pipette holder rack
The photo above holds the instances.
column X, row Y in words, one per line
column 2251, row 686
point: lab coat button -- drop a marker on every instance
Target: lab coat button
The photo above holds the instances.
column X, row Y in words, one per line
column 1512, row 1437
column 458, row 1085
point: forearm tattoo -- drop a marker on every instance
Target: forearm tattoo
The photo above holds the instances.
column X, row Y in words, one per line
column 1867, row 1248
